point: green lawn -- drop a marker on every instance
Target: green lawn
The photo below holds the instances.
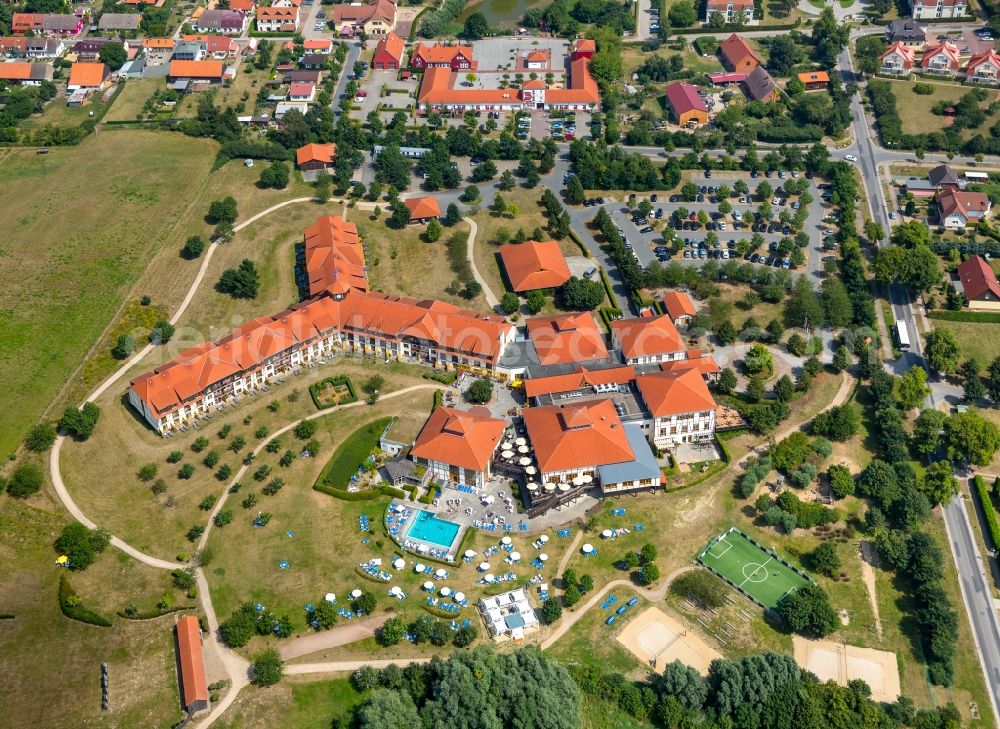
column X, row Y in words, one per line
column 84, row 224
column 352, row 453
column 976, row 339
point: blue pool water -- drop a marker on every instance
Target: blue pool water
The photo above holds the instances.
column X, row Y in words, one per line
column 428, row 528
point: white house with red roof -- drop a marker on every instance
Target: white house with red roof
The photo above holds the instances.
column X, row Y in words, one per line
column 933, row 9
column 984, row 68
column 457, row 446
column 941, row 58
column 897, row 59
column 979, row 284
column 681, row 408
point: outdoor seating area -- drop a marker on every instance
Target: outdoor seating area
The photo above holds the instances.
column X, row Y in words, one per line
column 373, row 568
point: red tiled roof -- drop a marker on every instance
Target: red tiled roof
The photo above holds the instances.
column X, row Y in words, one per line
column 678, row 304
column 966, row 203
column 944, row 48
column 301, row 88
column 978, row 279
column 567, row 338
column 581, row 378
column 900, row 49
column 196, row 69
column 18, row 71
column 814, row 77
column 675, row 392
column 459, row 438
column 391, row 44
column 989, row 57
column 646, row 337
column 334, row 258
column 578, row 436
column 585, row 45
column 440, row 53
column 705, row 364
column 423, row 207
column 735, row 50
column 533, row 265
column 684, row 97
column 733, row 77
column 192, row 663
column 316, row 153
column 87, row 75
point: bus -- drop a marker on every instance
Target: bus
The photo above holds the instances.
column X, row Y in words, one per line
column 902, row 337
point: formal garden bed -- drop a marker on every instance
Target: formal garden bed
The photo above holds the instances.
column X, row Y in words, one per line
column 333, row 391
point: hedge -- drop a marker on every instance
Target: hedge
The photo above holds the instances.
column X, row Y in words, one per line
column 79, row 612
column 315, row 387
column 154, row 613
column 580, row 244
column 988, row 510
column 982, row 317
column 365, row 495
column 445, row 378
column 432, row 493
column 607, row 286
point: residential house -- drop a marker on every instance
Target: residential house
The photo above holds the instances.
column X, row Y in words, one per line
column 303, row 75
column 934, row 9
column 388, row 53
column 158, row 50
column 957, row 209
column 941, row 58
column 984, row 68
column 226, row 22
column 907, row 32
column 686, row 104
column 44, row 48
column 375, row 18
column 14, row 46
column 25, row 73
column 680, row 407
column 88, row 49
column 979, row 284
column 457, row 58
column 286, row 3
column 567, row 339
column 730, row 10
column 423, row 209
column 322, row 46
column 283, row 107
column 51, row 24
column 244, row 6
column 314, row 61
column 334, row 258
column 186, row 50
column 23, row 22
column 534, row 265
column 583, row 48
column 759, row 86
column 457, row 446
column 191, row 667
column 897, row 60
column 386, row 327
column 679, row 307
column 199, row 71
column 218, row 47
column 647, row 340
column 815, row 80
column 86, row 76
column 737, row 55
column 121, row 23
column 302, row 91
column 277, row 19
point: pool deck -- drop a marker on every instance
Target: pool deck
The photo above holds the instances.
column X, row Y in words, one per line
column 423, row 547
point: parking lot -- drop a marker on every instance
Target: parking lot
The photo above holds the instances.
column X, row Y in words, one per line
column 401, row 95
column 664, row 237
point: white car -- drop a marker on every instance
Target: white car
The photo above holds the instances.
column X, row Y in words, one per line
column 850, row 158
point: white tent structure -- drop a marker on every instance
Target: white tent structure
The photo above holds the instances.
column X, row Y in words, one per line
column 508, row 616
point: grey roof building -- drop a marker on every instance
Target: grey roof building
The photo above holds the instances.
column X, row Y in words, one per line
column 759, row 84
column 905, row 31
column 119, row 21
column 60, row 23
column 632, row 474
column 943, row 175
column 223, row 21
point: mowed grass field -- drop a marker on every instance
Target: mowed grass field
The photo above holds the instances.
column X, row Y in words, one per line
column 83, row 227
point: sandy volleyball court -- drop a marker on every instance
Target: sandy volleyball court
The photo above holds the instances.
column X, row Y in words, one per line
column 654, row 635
column 843, row 663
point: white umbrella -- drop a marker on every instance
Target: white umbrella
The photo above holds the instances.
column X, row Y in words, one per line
column 544, row 538
column 470, row 553
column 507, row 454
column 523, row 449
column 459, row 596
column 399, row 563
column 550, row 486
column 483, row 566
column 520, row 442
column 544, row 557
column 445, row 591
column 428, row 585
column 505, row 540
column 588, row 548
column 394, row 590
column 506, row 445
column 578, row 480
column 489, row 500
column 515, row 556
column 606, row 534
column 441, row 572
column 377, row 562
column 418, row 568
column 524, row 461
column 532, row 486
column 531, row 470
column 587, row 478
column 355, row 594
column 564, row 487
column 490, row 578
column 330, row 597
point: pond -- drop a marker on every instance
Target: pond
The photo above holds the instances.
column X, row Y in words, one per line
column 500, row 13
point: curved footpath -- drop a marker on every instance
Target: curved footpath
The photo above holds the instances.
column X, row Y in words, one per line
column 491, row 297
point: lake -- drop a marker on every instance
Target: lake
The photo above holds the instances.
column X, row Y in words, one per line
column 500, row 13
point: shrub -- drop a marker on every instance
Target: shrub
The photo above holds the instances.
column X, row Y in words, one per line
column 80, row 423
column 185, row 472
column 81, row 545
column 72, row 606
column 41, row 437
column 193, row 247
column 306, row 429
column 700, row 587
column 211, row 458
column 147, row 472
column 790, row 453
column 199, row 444
column 551, row 610
column 175, row 457
column 207, row 503
column 480, row 392
column 26, row 480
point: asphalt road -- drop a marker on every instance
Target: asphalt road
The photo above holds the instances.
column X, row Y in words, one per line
column 972, row 577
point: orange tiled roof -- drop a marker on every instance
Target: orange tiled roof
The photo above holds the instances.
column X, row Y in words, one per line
column 158, row 43
column 678, row 304
column 814, row 77
column 244, row 6
column 978, row 279
column 86, row 74
column 533, row 265
column 704, row 363
column 391, row 44
column 582, row 88
column 191, row 661
column 423, row 207
column 586, row 44
column 272, row 13
column 944, row 48
column 578, row 436
column 435, row 88
column 646, row 337
column 192, row 372
column 675, row 392
column 317, row 44
column 581, row 378
column 441, row 54
column 335, row 261
column 990, row 57
column 316, row 153
column 196, row 69
column 735, row 50
column 459, row 438
column 18, row 71
column 567, row 338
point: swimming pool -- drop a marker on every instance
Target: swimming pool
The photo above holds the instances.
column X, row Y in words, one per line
column 428, row 528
